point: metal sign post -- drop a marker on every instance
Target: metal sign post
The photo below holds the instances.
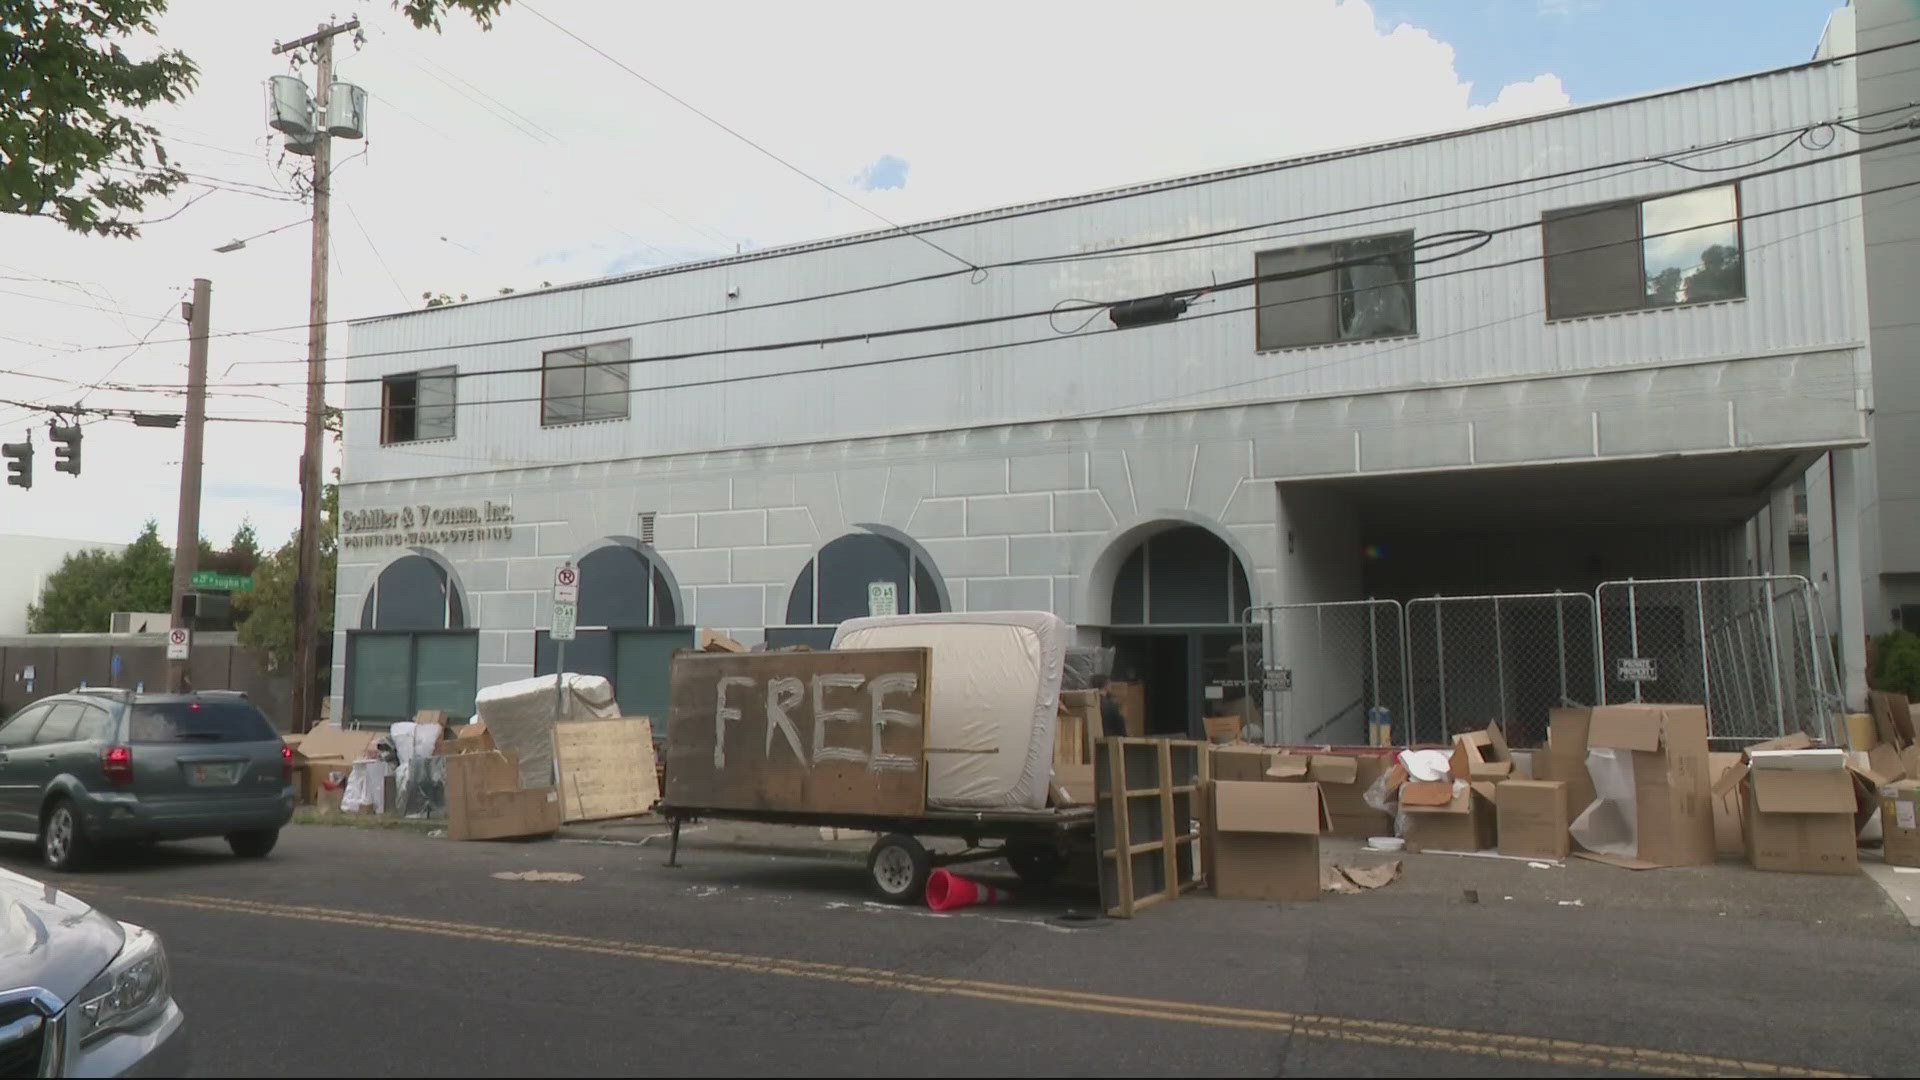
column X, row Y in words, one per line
column 566, row 601
column 179, row 641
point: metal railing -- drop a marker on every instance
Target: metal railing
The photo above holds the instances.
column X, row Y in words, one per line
column 1321, row 672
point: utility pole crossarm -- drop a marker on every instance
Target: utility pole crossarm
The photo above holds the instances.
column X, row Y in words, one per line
column 317, row 36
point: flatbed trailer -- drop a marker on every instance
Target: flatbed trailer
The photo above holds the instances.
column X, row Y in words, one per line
column 1038, row 844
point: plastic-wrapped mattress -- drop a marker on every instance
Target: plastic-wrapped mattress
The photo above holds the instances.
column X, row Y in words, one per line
column 996, row 686
column 519, row 716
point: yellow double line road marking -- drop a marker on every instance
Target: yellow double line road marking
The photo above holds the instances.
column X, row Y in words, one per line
column 1420, row 1038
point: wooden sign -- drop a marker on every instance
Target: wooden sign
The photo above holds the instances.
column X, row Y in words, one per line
column 605, row 768
column 801, row 732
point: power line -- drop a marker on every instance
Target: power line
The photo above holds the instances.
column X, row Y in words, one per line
column 709, row 118
column 986, row 320
column 976, row 349
column 1626, row 165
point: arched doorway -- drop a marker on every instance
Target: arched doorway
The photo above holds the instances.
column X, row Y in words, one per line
column 852, row 577
column 627, row 627
column 1177, row 604
column 413, row 649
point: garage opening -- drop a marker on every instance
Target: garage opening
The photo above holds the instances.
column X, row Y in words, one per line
column 1175, row 628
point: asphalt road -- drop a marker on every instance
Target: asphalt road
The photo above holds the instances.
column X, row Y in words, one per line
column 368, row 953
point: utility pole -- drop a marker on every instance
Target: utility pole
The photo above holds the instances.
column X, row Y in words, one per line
column 186, row 536
column 306, row 585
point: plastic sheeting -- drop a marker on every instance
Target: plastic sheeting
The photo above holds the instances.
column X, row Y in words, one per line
column 420, row 778
column 520, row 715
column 1610, row 826
column 366, row 787
column 996, row 686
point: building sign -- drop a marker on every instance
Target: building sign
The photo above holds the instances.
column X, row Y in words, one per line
column 883, row 598
column 426, row 525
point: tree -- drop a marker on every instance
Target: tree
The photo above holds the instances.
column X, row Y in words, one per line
column 268, row 608
column 90, row 586
column 1720, row 277
column 1897, row 663
column 71, row 145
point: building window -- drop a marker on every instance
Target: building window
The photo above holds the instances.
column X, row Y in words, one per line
column 1644, row 253
column 587, row 382
column 417, row 406
column 1350, row 290
column 413, row 650
column 840, row 584
column 627, row 630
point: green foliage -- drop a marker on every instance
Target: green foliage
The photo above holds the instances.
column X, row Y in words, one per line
column 1897, row 663
column 70, row 148
column 268, row 608
column 90, row 586
column 426, row 13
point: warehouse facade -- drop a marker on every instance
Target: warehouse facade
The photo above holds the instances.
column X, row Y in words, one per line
column 1514, row 358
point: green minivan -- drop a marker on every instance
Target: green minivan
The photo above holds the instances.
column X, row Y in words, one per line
column 95, row 766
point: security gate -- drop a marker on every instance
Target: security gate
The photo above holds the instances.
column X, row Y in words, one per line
column 1321, row 672
column 1511, row 658
column 1753, row 650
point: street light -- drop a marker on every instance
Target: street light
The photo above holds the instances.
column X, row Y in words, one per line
column 236, row 245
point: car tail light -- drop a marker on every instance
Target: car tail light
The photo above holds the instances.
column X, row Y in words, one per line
column 286, row 762
column 117, row 763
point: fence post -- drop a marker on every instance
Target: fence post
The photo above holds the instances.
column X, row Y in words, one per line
column 1440, row 656
column 1560, row 637
column 1706, row 673
column 1773, row 657
column 1500, row 665
column 1633, row 628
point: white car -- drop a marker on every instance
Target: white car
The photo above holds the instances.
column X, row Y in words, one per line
column 81, row 994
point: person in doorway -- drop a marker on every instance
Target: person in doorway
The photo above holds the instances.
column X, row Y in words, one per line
column 1112, row 723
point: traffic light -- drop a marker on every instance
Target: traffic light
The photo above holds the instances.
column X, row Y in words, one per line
column 19, row 457
column 66, row 448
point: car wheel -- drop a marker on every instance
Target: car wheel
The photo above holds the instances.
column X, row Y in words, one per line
column 899, row 867
column 253, row 844
column 63, row 840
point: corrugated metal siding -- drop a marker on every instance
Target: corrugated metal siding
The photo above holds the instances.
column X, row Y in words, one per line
column 1802, row 277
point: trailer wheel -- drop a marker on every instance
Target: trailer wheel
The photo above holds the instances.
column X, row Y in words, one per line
column 899, row 866
column 1035, row 863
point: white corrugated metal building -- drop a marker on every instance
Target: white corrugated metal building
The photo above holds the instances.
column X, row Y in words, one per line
column 1491, row 422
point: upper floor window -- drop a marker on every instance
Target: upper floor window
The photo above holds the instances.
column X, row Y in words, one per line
column 1644, row 253
column 586, row 382
column 1348, row 290
column 417, row 405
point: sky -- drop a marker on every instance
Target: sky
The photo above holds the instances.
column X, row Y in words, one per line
column 517, row 156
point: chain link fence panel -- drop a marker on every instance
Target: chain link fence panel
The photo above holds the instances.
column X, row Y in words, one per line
column 1510, row 658
column 1323, row 672
column 1751, row 649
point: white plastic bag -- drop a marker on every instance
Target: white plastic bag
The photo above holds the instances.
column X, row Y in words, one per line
column 1609, row 826
column 366, row 787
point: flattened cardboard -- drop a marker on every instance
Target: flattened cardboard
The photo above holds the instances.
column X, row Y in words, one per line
column 1073, row 785
column 1727, row 837
column 1334, row 769
column 1824, row 759
column 1482, row 755
column 1240, row 762
column 1883, row 765
column 1264, row 840
column 1796, row 741
column 1533, row 820
column 1566, row 756
column 1892, row 717
column 1900, row 822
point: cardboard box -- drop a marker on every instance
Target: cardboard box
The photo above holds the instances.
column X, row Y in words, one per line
column 1222, row 729
column 1073, row 784
column 1532, row 817
column 1673, row 802
column 1797, row 819
column 485, row 800
column 1892, row 718
column 1131, row 697
column 1728, row 836
column 1265, row 840
column 1566, row 756
column 1482, row 755
column 467, row 739
column 1077, row 723
column 1462, row 822
column 1241, row 762
column 715, row 641
column 1343, row 780
column 1900, row 822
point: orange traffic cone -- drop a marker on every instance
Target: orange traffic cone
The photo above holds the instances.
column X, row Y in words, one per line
column 947, row 891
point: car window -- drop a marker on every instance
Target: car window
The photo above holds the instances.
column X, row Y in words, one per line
column 19, row 730
column 199, row 721
column 60, row 723
column 96, row 725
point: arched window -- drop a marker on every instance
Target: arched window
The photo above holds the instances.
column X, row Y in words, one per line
column 839, row 584
column 1185, row 575
column 412, row 650
column 626, row 629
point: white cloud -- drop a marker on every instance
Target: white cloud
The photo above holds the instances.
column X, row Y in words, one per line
column 537, row 160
